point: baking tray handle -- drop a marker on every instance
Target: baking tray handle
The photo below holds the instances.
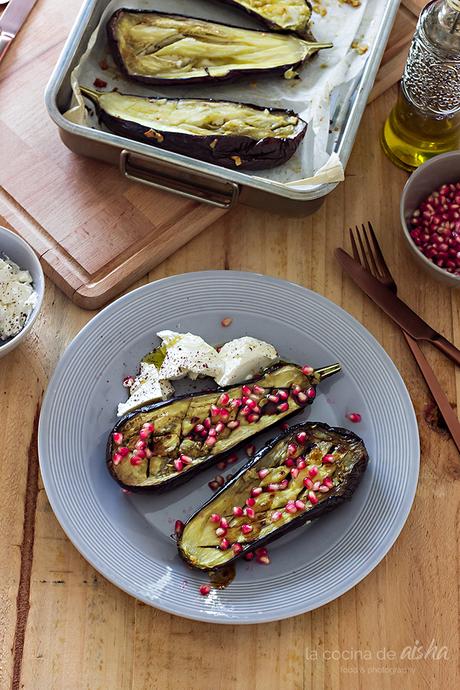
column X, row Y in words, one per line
column 184, row 182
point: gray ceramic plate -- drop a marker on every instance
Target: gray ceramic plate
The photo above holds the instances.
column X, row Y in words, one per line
column 127, row 538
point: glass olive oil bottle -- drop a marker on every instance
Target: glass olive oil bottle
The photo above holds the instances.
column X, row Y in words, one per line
column 426, row 118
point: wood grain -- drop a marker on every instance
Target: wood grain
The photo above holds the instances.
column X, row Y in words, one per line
column 94, row 240
column 84, row 634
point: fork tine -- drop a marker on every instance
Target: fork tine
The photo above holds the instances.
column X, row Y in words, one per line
column 380, row 258
column 376, row 271
column 354, row 246
column 363, row 251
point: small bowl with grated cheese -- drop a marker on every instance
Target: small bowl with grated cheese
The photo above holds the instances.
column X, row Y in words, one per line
column 22, row 287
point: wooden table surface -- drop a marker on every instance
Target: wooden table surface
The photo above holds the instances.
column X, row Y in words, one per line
column 64, row 627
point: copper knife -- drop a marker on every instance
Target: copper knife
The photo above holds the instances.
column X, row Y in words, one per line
column 13, row 17
column 396, row 309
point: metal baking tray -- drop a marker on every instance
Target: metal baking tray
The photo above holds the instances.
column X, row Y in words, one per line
column 193, row 178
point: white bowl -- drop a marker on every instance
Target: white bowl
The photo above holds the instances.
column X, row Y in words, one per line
column 12, row 246
column 425, row 180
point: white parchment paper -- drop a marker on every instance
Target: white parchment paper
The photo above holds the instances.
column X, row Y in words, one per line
column 311, row 96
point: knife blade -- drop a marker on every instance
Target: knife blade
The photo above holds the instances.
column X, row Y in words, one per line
column 396, row 309
column 13, row 17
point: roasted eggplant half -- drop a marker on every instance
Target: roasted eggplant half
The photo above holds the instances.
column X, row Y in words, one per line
column 297, row 477
column 233, row 135
column 164, row 444
column 279, row 15
column 156, row 48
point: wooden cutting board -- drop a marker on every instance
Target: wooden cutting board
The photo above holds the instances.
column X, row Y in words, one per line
column 95, row 232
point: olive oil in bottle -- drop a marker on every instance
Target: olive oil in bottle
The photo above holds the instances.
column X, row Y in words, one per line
column 426, row 118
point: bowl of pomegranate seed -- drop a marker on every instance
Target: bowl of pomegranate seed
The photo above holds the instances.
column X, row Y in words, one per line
column 430, row 216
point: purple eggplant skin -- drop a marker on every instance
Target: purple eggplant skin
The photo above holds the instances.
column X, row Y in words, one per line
column 231, row 76
column 236, row 152
column 335, row 498
column 302, row 33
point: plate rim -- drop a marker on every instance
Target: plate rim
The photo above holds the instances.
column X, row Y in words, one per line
column 201, row 614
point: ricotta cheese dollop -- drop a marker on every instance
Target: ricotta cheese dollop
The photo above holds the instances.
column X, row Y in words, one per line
column 17, row 298
column 146, row 388
column 188, row 355
column 242, row 358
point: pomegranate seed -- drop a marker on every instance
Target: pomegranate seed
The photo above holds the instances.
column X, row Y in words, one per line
column 224, row 523
column 291, row 507
column 135, row 460
column 246, row 529
column 294, row 473
column 250, row 502
column 327, row 481
column 220, row 480
column 300, row 505
column 316, row 486
column 245, row 410
column 284, row 426
column 301, row 464
column 225, row 323
column 224, row 414
column 126, row 491
column 207, row 423
column 211, row 441
column 284, row 484
column 232, row 458
column 141, row 445
column 283, row 407
column 144, row 434
column 214, row 410
column 128, row 381
column 273, row 398
column 221, row 532
column 237, row 511
column 248, row 556
column 215, row 518
column 296, row 390
column 236, row 402
column 212, row 431
column 250, row 450
column 354, row 417
column 139, row 453
column 179, row 527
column 312, row 498
column 224, row 544
column 263, row 473
column 198, row 428
column 328, row 459
column 258, row 389
column 234, row 424
column 148, row 426
column 252, row 418
column 308, row 483
column 289, row 462
column 204, row 590
column 256, row 491
column 124, row 451
column 117, row 438
column 220, row 427
column 224, row 399
column 246, row 390
column 292, row 449
column 237, row 548
column 283, row 395
column 249, row 402
column 324, row 489
column 250, row 513
column 310, row 393
column 277, row 515
column 178, row 465
column 302, row 398
column 213, row 485
column 307, row 370
column 117, row 458
column 301, row 437
column 313, row 471
column 186, row 459
column 273, row 487
column 221, row 465
column 263, row 560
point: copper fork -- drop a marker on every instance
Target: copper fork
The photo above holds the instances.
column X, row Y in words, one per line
column 366, row 250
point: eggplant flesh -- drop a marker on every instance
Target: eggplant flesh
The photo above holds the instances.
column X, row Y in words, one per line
column 234, row 135
column 275, row 508
column 290, row 15
column 178, row 444
column 156, row 48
